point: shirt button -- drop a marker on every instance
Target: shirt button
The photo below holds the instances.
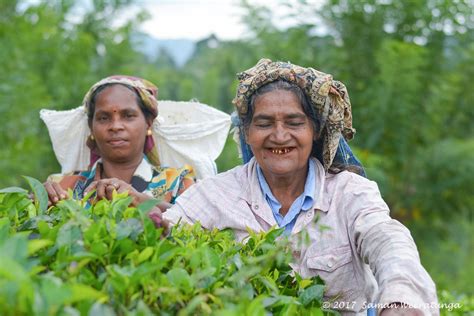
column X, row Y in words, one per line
column 255, row 207
column 330, row 262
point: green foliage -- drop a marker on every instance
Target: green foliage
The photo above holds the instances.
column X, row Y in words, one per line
column 447, row 258
column 109, row 259
column 49, row 61
column 455, row 305
column 408, row 66
column 230, row 155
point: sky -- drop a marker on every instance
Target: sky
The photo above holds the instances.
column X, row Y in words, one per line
column 193, row 19
column 197, row 19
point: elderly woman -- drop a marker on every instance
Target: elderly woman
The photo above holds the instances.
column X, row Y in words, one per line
column 120, row 112
column 293, row 118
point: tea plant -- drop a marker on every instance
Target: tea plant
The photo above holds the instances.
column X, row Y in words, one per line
column 109, row 259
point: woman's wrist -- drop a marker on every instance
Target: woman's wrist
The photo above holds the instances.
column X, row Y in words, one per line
column 139, row 198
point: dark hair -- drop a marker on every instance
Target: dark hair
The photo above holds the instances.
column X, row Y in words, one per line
column 91, row 106
column 286, row 86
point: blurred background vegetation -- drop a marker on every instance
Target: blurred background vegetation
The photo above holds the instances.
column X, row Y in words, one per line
column 408, row 66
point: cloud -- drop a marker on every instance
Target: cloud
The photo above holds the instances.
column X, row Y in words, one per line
column 193, row 19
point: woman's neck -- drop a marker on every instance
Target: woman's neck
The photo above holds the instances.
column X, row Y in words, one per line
column 286, row 189
column 120, row 170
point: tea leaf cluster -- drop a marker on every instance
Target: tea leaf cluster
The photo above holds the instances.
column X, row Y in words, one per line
column 109, row 259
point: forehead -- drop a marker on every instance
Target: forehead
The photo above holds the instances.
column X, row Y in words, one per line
column 276, row 102
column 116, row 97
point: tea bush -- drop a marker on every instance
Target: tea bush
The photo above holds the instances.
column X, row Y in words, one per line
column 109, row 259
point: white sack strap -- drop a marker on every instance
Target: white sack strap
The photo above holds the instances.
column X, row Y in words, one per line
column 184, row 132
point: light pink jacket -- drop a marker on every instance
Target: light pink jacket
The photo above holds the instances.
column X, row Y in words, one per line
column 363, row 255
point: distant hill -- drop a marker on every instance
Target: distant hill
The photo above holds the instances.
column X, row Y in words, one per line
column 179, row 49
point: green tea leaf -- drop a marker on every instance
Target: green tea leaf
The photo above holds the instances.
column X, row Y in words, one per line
column 15, row 247
column 210, row 258
column 32, row 223
column 143, row 310
column 4, row 229
column 145, row 254
column 256, row 306
column 312, row 295
column 273, row 234
column 14, row 190
column 99, row 248
column 147, row 206
column 32, row 212
column 120, row 204
column 193, row 305
column 101, row 309
column 68, row 235
column 41, row 196
column 38, row 244
column 305, row 283
column 180, row 278
column 12, row 269
column 131, row 227
column 82, row 292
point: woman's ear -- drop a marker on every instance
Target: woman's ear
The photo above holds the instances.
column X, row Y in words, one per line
column 246, row 135
column 149, row 123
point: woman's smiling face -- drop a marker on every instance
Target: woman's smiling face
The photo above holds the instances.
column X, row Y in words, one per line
column 280, row 134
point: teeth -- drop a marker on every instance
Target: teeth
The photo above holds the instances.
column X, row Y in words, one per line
column 280, row 151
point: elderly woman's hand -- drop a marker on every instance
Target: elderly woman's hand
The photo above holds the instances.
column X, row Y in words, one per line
column 156, row 216
column 55, row 192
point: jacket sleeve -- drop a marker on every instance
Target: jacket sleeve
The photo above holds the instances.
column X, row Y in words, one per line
column 191, row 206
column 388, row 247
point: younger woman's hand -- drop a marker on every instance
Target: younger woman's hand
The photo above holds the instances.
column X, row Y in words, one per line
column 105, row 188
column 55, row 192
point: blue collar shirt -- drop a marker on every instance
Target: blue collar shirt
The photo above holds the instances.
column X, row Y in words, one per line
column 303, row 203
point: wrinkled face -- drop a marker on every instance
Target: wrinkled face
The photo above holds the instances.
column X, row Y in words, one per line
column 280, row 134
column 119, row 126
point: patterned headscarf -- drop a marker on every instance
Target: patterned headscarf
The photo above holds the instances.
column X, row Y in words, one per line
column 147, row 92
column 329, row 99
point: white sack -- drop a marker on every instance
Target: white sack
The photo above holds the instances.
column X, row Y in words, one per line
column 68, row 131
column 184, row 132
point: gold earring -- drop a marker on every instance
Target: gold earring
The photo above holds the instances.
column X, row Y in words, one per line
column 91, row 137
column 148, row 132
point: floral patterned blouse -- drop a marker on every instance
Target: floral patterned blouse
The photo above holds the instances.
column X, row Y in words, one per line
column 164, row 184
